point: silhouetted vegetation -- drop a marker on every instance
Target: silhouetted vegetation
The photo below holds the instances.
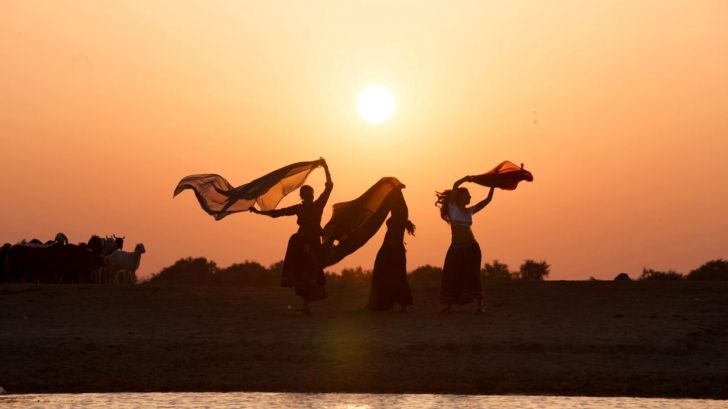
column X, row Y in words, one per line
column 247, row 273
column 200, row 271
column 714, row 270
column 497, row 271
column 534, row 270
column 530, row 270
column 622, row 277
column 350, row 276
column 650, row 274
column 425, row 274
column 187, row 271
column 203, row 272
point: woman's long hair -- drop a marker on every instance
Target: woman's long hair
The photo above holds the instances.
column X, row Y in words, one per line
column 398, row 207
column 443, row 202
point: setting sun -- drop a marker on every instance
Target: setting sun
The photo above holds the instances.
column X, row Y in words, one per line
column 376, row 104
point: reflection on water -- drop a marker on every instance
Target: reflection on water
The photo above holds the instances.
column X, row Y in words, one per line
column 336, row 401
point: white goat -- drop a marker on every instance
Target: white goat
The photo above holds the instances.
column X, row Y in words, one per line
column 120, row 266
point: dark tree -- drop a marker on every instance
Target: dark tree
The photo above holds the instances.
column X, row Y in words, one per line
column 355, row 275
column 426, row 274
column 276, row 267
column 714, row 270
column 248, row 273
column 497, row 272
column 187, row 271
column 534, row 270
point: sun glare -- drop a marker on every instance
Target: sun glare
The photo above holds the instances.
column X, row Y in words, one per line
column 376, row 104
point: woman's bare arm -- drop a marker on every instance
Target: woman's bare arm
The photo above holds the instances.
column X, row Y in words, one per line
column 480, row 205
column 453, row 192
column 286, row 211
column 328, row 187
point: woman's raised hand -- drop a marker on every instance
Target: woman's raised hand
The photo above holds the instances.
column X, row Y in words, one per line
column 461, row 181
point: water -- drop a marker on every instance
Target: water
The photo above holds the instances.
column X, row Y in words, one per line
column 336, row 401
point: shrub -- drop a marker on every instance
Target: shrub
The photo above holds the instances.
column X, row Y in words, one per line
column 187, row 271
column 426, row 274
column 622, row 277
column 714, row 270
column 355, row 275
column 276, row 268
column 247, row 273
column 534, row 270
column 650, row 274
column 497, row 272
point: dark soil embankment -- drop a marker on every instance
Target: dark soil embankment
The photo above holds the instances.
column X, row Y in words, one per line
column 568, row 338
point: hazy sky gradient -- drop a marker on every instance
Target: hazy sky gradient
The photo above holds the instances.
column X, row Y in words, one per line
column 619, row 108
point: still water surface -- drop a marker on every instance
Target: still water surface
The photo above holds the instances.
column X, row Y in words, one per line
column 336, row 401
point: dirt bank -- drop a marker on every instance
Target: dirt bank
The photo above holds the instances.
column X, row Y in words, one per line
column 568, row 338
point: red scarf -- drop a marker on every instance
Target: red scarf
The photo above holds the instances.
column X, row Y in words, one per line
column 505, row 176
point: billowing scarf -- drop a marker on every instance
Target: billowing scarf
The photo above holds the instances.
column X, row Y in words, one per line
column 353, row 223
column 219, row 198
column 505, row 176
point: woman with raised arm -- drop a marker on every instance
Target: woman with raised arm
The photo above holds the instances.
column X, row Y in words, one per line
column 303, row 263
column 461, row 273
column 389, row 278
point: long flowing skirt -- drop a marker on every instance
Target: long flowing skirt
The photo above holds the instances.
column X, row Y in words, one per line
column 389, row 278
column 303, row 269
column 461, row 274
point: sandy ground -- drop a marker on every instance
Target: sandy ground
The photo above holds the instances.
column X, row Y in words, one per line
column 566, row 338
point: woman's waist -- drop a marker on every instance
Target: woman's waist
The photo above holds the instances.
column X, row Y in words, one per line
column 309, row 234
column 394, row 236
column 462, row 234
column 393, row 242
column 310, row 228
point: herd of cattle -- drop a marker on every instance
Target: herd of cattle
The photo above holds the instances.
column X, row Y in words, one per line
column 100, row 260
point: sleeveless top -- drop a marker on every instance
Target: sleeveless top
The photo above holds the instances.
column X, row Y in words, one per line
column 460, row 217
column 460, row 222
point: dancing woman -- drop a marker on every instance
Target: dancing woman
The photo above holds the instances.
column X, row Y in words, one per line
column 389, row 278
column 461, row 273
column 303, row 263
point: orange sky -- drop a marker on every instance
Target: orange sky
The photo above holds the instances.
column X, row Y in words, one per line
column 620, row 109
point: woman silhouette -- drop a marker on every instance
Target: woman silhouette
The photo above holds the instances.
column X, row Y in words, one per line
column 461, row 273
column 303, row 263
column 389, row 278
